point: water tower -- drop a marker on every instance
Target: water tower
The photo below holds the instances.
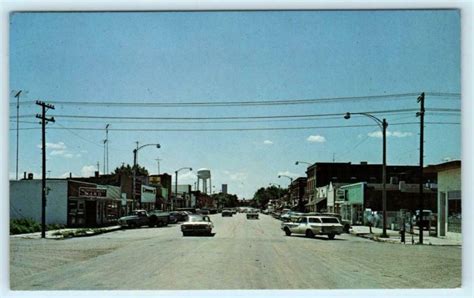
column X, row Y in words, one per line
column 204, row 175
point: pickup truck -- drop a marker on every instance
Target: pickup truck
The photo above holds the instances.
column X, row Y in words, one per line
column 140, row 218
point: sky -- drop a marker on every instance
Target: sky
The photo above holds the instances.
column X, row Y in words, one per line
column 119, row 68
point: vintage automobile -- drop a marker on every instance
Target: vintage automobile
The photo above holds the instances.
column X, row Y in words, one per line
column 140, row 218
column 227, row 212
column 313, row 225
column 345, row 223
column 252, row 214
column 197, row 224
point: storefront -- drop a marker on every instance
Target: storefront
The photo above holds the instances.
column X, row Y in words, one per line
column 92, row 205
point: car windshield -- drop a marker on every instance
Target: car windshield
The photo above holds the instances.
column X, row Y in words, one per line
column 330, row 220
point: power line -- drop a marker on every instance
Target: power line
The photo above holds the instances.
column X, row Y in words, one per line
column 239, row 129
column 228, row 117
column 157, row 103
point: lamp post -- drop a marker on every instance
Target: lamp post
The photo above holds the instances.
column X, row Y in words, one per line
column 176, row 185
column 134, row 169
column 307, row 188
column 383, row 125
column 291, row 182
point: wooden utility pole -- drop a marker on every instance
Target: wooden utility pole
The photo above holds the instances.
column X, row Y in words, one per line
column 421, row 114
column 44, row 121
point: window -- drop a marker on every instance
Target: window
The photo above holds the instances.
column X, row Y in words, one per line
column 314, row 220
column 303, row 220
column 330, row 220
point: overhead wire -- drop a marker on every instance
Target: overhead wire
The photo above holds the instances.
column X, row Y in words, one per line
column 157, row 103
column 237, row 129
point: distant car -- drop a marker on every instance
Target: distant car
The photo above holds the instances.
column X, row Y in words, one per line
column 314, row 225
column 197, row 224
column 252, row 214
column 226, row 212
column 179, row 215
column 425, row 221
column 140, row 218
column 203, row 211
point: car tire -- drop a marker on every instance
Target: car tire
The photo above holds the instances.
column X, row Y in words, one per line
column 309, row 234
column 287, row 232
column 331, row 236
column 152, row 222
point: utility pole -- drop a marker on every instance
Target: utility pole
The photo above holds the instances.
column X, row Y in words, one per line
column 44, row 121
column 158, row 161
column 17, row 95
column 421, row 114
column 103, row 166
column 107, row 144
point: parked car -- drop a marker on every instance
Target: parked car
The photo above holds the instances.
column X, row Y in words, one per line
column 140, row 218
column 179, row 215
column 197, row 224
column 345, row 223
column 288, row 215
column 226, row 212
column 427, row 217
column 314, row 225
column 203, row 211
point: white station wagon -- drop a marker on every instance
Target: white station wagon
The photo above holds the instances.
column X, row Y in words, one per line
column 313, row 225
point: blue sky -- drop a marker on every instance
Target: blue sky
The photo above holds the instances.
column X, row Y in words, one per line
column 177, row 57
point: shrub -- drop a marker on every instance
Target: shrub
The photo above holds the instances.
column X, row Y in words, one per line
column 28, row 225
column 23, row 226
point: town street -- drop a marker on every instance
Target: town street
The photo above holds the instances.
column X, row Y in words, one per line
column 243, row 254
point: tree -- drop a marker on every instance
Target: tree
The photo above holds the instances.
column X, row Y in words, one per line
column 264, row 195
column 127, row 170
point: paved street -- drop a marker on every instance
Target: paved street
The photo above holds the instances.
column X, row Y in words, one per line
column 243, row 254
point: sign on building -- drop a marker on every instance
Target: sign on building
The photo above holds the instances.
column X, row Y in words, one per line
column 92, row 192
column 148, row 194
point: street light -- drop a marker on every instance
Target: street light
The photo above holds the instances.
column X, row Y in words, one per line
column 383, row 125
column 176, row 185
column 134, row 170
column 305, row 162
column 289, row 188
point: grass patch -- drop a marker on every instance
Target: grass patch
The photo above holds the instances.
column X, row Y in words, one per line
column 28, row 225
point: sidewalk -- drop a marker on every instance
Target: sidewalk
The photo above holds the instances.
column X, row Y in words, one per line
column 395, row 237
column 58, row 234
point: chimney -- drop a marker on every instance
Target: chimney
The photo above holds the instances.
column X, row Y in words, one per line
column 30, row 176
column 96, row 174
column 70, row 175
column 24, row 175
column 363, row 163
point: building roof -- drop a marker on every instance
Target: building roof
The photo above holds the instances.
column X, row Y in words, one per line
column 453, row 164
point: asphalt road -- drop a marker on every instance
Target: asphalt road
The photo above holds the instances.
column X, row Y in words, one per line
column 243, row 254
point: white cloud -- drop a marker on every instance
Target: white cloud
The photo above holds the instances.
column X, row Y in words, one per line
column 400, row 134
column 288, row 173
column 316, row 139
column 268, row 142
column 55, row 146
column 396, row 134
column 239, row 176
column 186, row 176
column 235, row 176
column 57, row 152
column 88, row 171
